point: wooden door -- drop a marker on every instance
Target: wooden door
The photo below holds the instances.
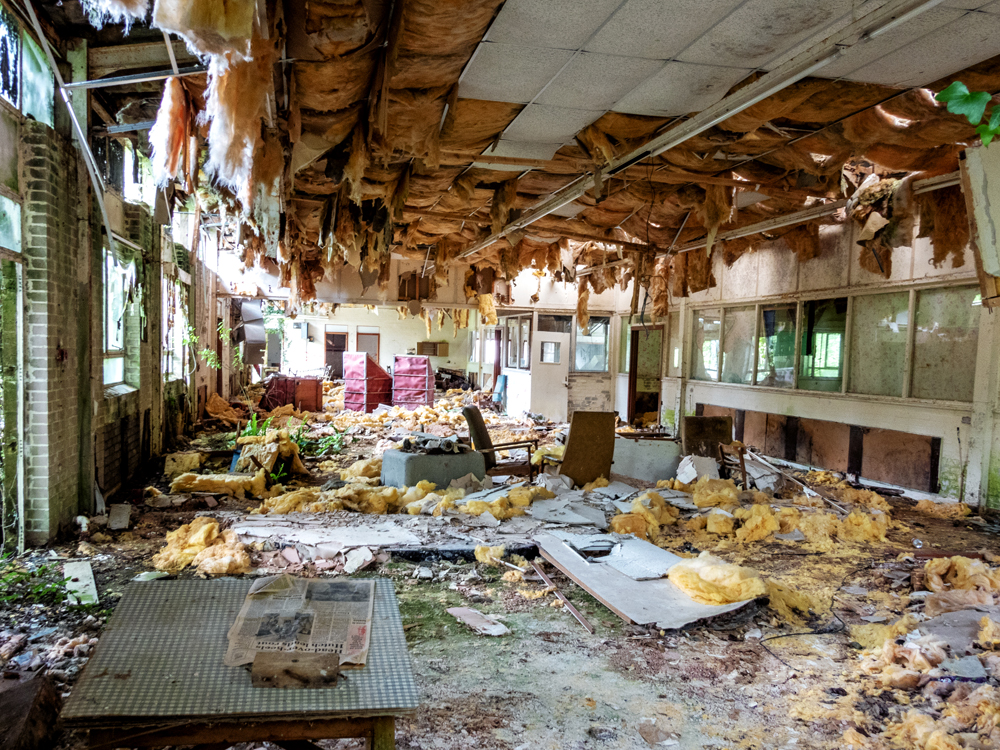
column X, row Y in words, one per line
column 336, row 345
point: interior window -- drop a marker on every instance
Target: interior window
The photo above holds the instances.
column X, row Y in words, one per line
column 592, row 346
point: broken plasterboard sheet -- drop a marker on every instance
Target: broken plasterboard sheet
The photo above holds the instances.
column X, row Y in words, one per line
column 573, row 514
column 588, row 542
column 482, row 624
column 615, row 490
column 81, row 585
column 765, row 477
column 656, row 602
column 119, row 515
column 692, row 467
column 520, row 525
column 959, row 629
column 382, row 535
column 557, row 483
column 639, row 560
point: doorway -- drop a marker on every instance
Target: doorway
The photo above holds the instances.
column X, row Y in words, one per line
column 550, row 354
column 336, row 345
column 644, row 373
column 369, row 342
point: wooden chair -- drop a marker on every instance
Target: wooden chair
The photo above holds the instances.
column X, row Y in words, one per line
column 483, row 443
column 732, row 458
column 590, row 446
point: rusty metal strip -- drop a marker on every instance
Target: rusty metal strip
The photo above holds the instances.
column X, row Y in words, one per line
column 562, row 597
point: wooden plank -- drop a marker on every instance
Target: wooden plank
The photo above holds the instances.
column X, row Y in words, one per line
column 384, row 734
column 232, row 732
column 103, row 61
column 636, row 602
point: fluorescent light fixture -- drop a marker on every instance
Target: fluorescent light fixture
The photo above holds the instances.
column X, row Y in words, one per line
column 901, row 19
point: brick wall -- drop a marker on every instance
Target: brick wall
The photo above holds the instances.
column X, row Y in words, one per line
column 591, row 392
column 50, row 243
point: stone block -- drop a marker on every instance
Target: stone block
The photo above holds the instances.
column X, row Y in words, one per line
column 400, row 469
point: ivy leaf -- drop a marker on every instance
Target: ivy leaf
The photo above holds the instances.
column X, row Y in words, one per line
column 961, row 101
column 986, row 134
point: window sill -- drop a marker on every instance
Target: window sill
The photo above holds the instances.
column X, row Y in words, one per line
column 118, row 390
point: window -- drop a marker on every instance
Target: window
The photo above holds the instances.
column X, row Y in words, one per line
column 879, row 331
column 10, row 58
column 592, row 345
column 474, row 346
column 737, row 353
column 555, row 323
column 174, row 326
column 513, row 330
column 776, row 346
column 550, row 352
column 116, row 287
column 674, row 353
column 490, row 349
column 945, row 343
column 525, row 343
column 38, row 86
column 10, row 224
column 824, row 328
column 705, row 345
column 517, row 330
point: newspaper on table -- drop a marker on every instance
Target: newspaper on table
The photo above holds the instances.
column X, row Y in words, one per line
column 313, row 616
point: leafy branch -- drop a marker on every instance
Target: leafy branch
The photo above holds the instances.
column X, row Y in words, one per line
column 972, row 105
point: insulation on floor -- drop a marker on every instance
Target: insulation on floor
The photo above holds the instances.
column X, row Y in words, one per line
column 710, row 580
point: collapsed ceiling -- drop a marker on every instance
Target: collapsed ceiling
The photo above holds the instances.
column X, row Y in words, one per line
column 342, row 133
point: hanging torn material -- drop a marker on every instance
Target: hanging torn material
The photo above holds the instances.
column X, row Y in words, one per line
column 210, row 27
column 101, row 12
column 170, row 134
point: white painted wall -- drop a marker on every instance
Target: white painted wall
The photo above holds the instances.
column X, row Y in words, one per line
column 395, row 337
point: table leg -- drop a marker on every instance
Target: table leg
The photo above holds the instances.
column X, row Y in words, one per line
column 384, row 734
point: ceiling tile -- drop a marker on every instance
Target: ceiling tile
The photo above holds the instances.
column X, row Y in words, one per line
column 509, row 73
column 520, row 150
column 593, row 81
column 559, row 24
column 966, row 41
column 658, row 30
column 864, row 53
column 539, row 123
column 680, row 88
column 761, row 30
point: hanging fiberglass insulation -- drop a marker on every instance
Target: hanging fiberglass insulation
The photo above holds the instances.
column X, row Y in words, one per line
column 210, row 27
column 101, row 12
column 169, row 134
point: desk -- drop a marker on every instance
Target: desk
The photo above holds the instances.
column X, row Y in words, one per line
column 157, row 678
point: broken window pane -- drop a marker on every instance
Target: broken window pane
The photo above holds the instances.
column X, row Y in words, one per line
column 10, row 224
column 944, row 347
column 38, row 88
column 705, row 345
column 10, row 57
column 824, row 324
column 878, row 343
column 737, row 355
column 592, row 346
column 776, row 346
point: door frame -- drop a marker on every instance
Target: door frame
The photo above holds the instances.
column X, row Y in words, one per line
column 329, row 338
column 633, row 367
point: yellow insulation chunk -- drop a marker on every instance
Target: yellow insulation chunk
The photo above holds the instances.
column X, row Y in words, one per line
column 234, row 485
column 709, row 493
column 709, row 580
column 489, row 555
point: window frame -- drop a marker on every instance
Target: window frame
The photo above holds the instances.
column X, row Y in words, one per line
column 110, row 352
column 576, row 345
column 913, row 290
column 517, row 346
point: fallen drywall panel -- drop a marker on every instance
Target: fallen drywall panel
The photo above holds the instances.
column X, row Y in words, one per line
column 656, row 602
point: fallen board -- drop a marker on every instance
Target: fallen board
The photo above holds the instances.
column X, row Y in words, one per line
column 656, row 602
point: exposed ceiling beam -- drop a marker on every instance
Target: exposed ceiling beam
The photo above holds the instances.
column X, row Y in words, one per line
column 105, row 61
column 821, row 51
column 550, row 228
